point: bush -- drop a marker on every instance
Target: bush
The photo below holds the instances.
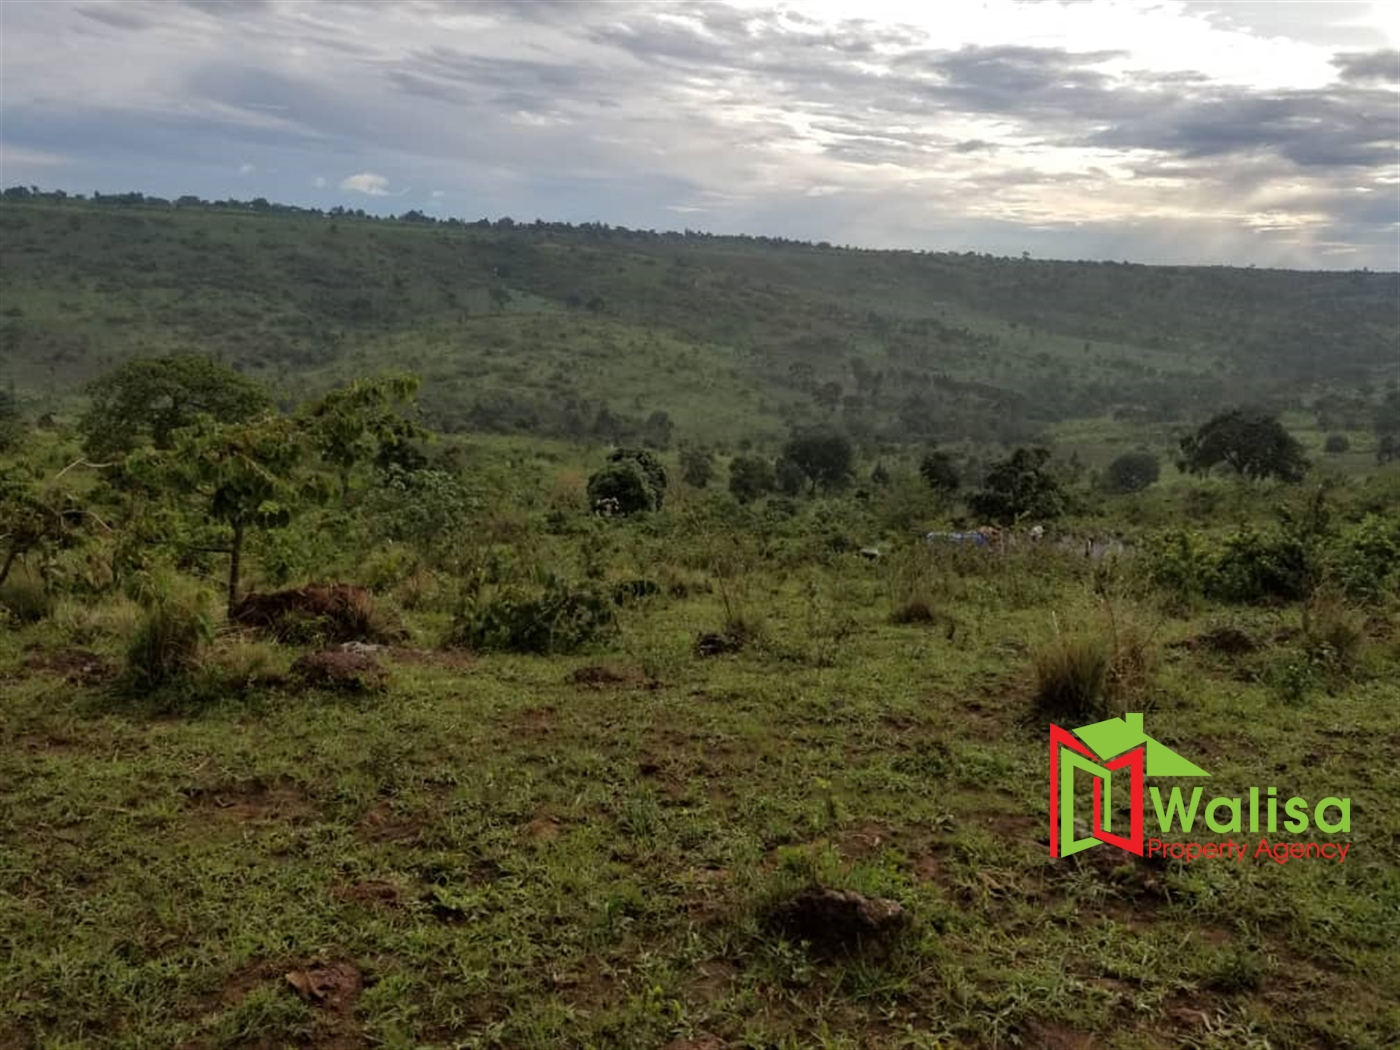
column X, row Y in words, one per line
column 317, row 615
column 1365, row 561
column 1132, row 472
column 1260, row 566
column 24, row 595
column 169, row 637
column 1072, row 678
column 1336, row 444
column 624, row 485
column 550, row 615
column 1093, row 674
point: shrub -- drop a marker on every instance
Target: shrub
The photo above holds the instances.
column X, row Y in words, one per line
column 625, row 484
column 1365, row 561
column 1092, row 674
column 1333, row 634
column 317, row 615
column 1258, row 566
column 549, row 615
column 24, row 595
column 1336, row 444
column 1072, row 677
column 169, row 637
column 1132, row 472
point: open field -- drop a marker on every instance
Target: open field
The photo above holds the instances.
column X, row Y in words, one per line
column 580, row 850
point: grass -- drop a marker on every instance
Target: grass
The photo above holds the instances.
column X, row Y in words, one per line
column 507, row 856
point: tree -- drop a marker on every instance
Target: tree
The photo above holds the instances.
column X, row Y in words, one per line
column 697, row 466
column 152, row 397
column 1019, row 487
column 32, row 519
column 244, row 475
column 750, row 477
column 1253, row 444
column 634, row 477
column 1336, row 444
column 938, row 472
column 788, row 477
column 1387, row 421
column 364, row 420
column 1132, row 472
column 822, row 454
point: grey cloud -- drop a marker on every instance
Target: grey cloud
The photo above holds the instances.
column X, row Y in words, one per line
column 114, row 16
column 1369, row 66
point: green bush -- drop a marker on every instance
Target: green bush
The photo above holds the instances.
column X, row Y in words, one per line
column 24, row 595
column 1259, row 566
column 547, row 615
column 1365, row 561
column 169, row 637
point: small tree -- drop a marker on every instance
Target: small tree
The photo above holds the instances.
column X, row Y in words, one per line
column 1336, row 444
column 938, row 472
column 1132, row 472
column 634, row 477
column 152, row 397
column 243, row 475
column 697, row 467
column 788, row 477
column 1019, row 487
column 1254, row 445
column 32, row 519
column 822, row 454
column 750, row 477
column 361, row 421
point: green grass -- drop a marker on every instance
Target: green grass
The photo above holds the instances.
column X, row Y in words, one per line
column 513, row 859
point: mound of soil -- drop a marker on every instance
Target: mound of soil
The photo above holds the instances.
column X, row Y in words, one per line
column 320, row 613
column 338, row 669
column 840, row 921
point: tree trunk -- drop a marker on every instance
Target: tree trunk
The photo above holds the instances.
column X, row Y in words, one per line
column 235, row 565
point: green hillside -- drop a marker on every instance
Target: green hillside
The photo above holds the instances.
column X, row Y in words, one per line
column 602, row 333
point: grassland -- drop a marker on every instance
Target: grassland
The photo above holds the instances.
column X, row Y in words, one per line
column 549, row 851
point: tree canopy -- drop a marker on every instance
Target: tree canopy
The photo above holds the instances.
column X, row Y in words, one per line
column 1019, row 487
column 149, row 398
column 822, row 454
column 1132, row 472
column 1253, row 444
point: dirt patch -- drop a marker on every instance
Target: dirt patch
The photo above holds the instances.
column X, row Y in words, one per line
column 1051, row 1036
column 341, row 670
column 542, row 829
column 78, row 666
column 537, row 721
column 603, row 676
column 711, row 981
column 320, row 613
column 331, row 986
column 381, row 824
column 374, row 893
column 280, row 798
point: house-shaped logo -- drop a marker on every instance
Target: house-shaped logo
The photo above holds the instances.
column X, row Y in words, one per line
column 1101, row 749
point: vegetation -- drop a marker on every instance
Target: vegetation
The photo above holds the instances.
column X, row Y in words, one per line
column 1252, row 444
column 353, row 722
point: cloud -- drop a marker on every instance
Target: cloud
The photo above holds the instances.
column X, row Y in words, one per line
column 366, row 182
column 1369, row 66
column 1072, row 127
column 246, row 169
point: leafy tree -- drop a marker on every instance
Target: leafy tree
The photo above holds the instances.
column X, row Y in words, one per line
column 32, row 519
column 430, row 509
column 1336, row 444
column 697, row 467
column 364, row 420
column 244, row 475
column 822, row 454
column 152, row 397
column 1253, row 444
column 788, row 477
column 750, row 477
column 1019, row 487
column 634, row 477
column 1132, row 472
column 938, row 472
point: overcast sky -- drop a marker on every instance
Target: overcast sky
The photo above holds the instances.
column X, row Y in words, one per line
column 1239, row 132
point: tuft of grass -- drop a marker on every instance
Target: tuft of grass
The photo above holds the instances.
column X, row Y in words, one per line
column 1094, row 672
column 170, row 636
column 24, row 596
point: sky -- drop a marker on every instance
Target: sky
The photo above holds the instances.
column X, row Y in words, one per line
column 1248, row 133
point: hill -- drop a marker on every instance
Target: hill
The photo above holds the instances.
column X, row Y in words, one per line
column 594, row 332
